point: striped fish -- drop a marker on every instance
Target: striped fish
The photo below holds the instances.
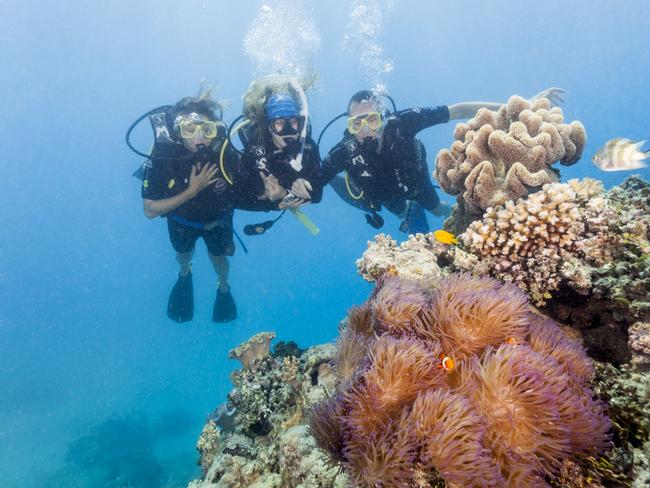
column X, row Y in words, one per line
column 621, row 154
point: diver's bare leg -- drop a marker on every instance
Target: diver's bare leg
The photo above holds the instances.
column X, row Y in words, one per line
column 185, row 260
column 222, row 267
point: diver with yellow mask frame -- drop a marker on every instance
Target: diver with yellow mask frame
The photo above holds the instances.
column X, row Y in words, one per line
column 182, row 180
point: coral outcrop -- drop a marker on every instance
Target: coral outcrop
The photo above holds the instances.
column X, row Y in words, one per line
column 577, row 250
column 503, row 155
column 413, row 259
column 639, row 341
column 446, row 379
column 462, row 381
column 530, row 242
column 269, row 445
column 253, row 350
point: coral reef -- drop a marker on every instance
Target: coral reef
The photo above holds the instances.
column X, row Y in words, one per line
column 413, row 259
column 253, row 350
column 442, row 379
column 639, row 341
column 507, row 414
column 575, row 249
column 269, row 445
column 627, row 395
column 530, row 241
column 500, row 156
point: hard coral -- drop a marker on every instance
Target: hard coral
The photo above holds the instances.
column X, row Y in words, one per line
column 500, row 156
column 412, row 259
column 508, row 415
column 529, row 241
column 639, row 341
column 270, row 446
column 253, row 350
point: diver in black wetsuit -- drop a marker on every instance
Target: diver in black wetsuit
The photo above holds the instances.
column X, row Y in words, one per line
column 184, row 182
column 278, row 171
column 385, row 163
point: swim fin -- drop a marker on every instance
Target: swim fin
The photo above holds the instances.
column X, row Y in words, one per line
column 224, row 309
column 416, row 220
column 180, row 306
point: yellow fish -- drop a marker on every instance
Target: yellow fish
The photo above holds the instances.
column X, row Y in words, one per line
column 445, row 237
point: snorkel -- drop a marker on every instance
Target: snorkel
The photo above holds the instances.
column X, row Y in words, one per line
column 296, row 163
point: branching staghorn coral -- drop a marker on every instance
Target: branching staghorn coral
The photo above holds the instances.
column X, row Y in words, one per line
column 500, row 156
column 507, row 415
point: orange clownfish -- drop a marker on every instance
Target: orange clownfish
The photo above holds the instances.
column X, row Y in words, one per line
column 446, row 363
column 512, row 341
column 445, row 237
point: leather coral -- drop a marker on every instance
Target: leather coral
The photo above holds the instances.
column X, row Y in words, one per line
column 503, row 155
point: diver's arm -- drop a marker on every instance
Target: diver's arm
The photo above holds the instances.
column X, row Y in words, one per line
column 413, row 120
column 156, row 208
column 467, row 110
column 335, row 162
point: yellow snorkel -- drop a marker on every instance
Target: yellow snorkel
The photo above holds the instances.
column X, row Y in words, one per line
column 305, row 220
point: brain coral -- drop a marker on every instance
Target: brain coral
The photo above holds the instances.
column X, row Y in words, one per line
column 499, row 156
column 509, row 408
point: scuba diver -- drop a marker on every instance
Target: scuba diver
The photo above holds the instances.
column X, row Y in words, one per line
column 385, row 164
column 280, row 164
column 184, row 182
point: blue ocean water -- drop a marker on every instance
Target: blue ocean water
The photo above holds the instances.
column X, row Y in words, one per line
column 93, row 376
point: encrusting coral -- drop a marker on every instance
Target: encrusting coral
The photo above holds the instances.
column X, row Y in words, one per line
column 639, row 341
column 464, row 388
column 500, row 156
column 412, row 259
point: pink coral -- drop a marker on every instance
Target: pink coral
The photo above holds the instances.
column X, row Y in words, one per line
column 507, row 415
column 467, row 314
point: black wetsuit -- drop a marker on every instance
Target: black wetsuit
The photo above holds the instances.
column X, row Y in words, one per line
column 208, row 214
column 261, row 155
column 397, row 174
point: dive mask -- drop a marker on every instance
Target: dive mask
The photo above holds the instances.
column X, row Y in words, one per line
column 190, row 125
column 286, row 126
column 372, row 120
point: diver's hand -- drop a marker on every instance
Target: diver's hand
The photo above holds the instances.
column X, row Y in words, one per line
column 301, row 189
column 201, row 177
column 554, row 96
column 272, row 188
column 295, row 203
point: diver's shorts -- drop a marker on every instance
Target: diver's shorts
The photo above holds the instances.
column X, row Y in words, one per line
column 218, row 239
